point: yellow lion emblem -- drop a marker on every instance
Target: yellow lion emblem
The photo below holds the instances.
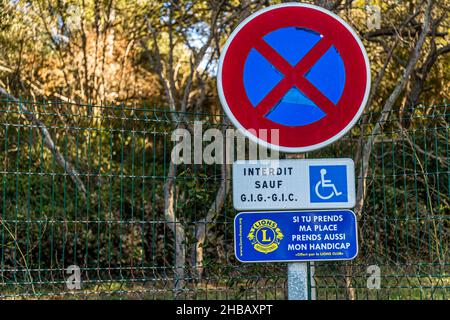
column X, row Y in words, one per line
column 265, row 236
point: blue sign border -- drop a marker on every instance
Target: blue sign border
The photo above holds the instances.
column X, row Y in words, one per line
column 261, row 214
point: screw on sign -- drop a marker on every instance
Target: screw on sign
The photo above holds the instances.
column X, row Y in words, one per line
column 295, row 68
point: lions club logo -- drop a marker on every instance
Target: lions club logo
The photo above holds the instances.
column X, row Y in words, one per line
column 265, row 236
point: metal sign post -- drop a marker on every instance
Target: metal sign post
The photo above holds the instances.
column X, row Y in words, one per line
column 300, row 278
column 298, row 285
column 300, row 275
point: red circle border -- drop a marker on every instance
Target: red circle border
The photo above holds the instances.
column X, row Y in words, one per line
column 344, row 41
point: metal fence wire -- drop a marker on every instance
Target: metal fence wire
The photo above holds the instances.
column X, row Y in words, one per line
column 84, row 189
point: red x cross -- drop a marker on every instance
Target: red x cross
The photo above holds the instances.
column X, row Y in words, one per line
column 293, row 76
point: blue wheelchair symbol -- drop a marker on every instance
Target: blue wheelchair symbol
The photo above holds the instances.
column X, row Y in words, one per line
column 328, row 184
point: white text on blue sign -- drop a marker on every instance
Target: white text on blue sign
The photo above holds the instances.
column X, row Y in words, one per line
column 295, row 236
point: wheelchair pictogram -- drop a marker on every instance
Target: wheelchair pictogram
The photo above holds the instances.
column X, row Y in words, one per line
column 326, row 184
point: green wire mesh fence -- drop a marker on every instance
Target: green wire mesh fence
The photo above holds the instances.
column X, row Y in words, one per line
column 91, row 189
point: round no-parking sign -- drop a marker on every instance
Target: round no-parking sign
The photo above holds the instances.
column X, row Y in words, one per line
column 297, row 68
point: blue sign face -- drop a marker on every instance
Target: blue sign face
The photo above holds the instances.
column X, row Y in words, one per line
column 294, row 108
column 295, row 236
column 328, row 183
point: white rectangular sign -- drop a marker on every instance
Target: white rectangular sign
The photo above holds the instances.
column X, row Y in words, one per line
column 293, row 184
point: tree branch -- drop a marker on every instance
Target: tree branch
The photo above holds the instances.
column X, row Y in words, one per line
column 48, row 142
column 367, row 149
